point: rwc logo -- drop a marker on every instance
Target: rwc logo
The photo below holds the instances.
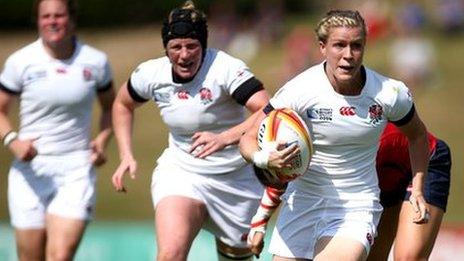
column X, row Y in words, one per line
column 347, row 111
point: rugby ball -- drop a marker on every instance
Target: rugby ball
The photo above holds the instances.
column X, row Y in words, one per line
column 285, row 125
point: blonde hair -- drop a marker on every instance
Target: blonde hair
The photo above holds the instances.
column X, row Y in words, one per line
column 339, row 18
column 195, row 14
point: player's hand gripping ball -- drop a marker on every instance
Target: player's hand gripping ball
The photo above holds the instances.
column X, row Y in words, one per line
column 285, row 125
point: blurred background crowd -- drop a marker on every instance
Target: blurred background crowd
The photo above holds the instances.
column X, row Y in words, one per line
column 242, row 27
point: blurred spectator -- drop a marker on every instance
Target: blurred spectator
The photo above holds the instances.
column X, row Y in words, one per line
column 451, row 15
column 411, row 49
column 411, row 15
column 301, row 51
column 245, row 44
column 223, row 25
column 269, row 23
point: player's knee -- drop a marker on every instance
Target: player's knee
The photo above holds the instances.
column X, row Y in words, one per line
column 171, row 254
column 60, row 254
column 31, row 255
column 410, row 256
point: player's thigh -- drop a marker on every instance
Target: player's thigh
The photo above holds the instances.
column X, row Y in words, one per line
column 30, row 244
column 178, row 220
column 63, row 235
column 416, row 240
column 386, row 231
column 339, row 248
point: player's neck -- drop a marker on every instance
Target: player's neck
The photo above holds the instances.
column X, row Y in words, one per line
column 63, row 50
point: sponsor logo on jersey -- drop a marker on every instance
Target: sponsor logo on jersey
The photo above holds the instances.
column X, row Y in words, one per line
column 183, row 94
column 375, row 113
column 87, row 73
column 323, row 114
column 161, row 96
column 206, row 96
column 32, row 76
column 347, row 111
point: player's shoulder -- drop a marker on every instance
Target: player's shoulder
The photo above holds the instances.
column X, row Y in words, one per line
column 383, row 83
column 153, row 66
column 218, row 57
column 26, row 53
column 310, row 78
column 88, row 52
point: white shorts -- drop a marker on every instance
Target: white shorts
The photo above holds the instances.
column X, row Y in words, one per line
column 59, row 185
column 231, row 199
column 303, row 220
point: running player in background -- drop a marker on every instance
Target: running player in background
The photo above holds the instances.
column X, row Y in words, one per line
column 332, row 211
column 413, row 241
column 51, row 183
column 201, row 180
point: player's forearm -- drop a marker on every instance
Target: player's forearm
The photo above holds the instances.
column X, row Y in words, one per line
column 122, row 125
column 106, row 128
column 419, row 156
column 5, row 124
column 248, row 146
column 234, row 134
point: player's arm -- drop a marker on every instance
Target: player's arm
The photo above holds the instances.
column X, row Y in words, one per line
column 275, row 157
column 98, row 145
column 270, row 201
column 212, row 142
column 23, row 150
column 123, row 114
column 416, row 133
column 6, row 100
column 256, row 102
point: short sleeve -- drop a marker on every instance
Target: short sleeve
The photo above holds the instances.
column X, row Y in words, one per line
column 238, row 73
column 286, row 97
column 402, row 104
column 10, row 78
column 106, row 76
column 139, row 82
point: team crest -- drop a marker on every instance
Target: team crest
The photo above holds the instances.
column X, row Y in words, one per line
column 87, row 74
column 375, row 113
column 183, row 95
column 206, row 96
column 61, row 70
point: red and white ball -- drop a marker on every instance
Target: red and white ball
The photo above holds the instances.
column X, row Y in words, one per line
column 285, row 125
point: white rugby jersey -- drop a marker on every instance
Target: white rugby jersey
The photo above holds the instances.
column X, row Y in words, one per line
column 345, row 130
column 56, row 96
column 203, row 104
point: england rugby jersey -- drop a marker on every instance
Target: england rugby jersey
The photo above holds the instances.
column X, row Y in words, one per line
column 56, row 95
column 345, row 130
column 203, row 104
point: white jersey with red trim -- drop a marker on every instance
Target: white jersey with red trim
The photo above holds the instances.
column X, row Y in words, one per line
column 203, row 104
column 56, row 96
column 345, row 130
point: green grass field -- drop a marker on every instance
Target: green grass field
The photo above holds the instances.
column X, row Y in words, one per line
column 441, row 108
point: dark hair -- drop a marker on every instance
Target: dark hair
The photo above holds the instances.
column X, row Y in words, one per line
column 185, row 22
column 71, row 6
